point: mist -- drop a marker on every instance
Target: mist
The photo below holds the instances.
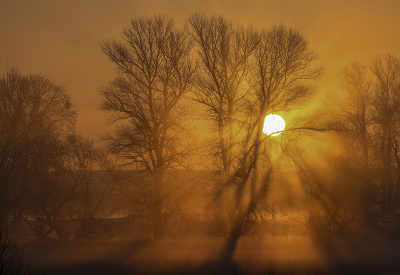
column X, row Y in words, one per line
column 180, row 172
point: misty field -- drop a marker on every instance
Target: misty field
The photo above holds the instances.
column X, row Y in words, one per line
column 284, row 255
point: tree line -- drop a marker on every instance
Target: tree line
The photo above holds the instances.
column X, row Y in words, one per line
column 232, row 75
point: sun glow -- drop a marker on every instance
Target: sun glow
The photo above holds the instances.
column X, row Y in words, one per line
column 273, row 125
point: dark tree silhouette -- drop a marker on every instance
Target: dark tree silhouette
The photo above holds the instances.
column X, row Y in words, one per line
column 155, row 72
column 226, row 53
column 47, row 171
column 68, row 199
column 11, row 259
column 371, row 119
column 355, row 117
column 386, row 70
column 245, row 77
column 35, row 116
column 284, row 71
column 366, row 121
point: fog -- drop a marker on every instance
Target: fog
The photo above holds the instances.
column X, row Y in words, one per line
column 183, row 177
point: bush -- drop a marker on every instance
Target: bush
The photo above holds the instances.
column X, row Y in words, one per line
column 11, row 259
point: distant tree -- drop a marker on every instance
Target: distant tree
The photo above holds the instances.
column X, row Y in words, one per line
column 355, row 117
column 354, row 125
column 154, row 73
column 69, row 199
column 371, row 118
column 337, row 196
column 35, row 116
column 386, row 103
column 367, row 123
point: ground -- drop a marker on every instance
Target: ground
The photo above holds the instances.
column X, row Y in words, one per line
column 252, row 256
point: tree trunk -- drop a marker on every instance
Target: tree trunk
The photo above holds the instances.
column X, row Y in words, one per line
column 384, row 178
column 251, row 190
column 158, row 222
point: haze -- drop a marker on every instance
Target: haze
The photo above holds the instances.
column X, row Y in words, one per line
column 135, row 137
column 61, row 39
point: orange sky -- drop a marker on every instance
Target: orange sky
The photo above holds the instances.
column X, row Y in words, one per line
column 61, row 38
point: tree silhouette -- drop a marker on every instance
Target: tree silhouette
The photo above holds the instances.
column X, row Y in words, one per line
column 67, row 199
column 226, row 54
column 283, row 71
column 35, row 116
column 386, row 70
column 356, row 115
column 155, row 72
column 371, row 119
column 366, row 121
column 247, row 75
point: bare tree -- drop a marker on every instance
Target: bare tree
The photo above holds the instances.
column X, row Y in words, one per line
column 354, row 125
column 226, row 54
column 246, row 76
column 47, row 172
column 70, row 197
column 155, row 72
column 355, row 117
column 386, row 70
column 284, row 71
column 35, row 115
column 367, row 123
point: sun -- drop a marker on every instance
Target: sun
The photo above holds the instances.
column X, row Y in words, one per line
column 273, row 125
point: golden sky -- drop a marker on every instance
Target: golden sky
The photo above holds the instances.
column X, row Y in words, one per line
column 61, row 39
